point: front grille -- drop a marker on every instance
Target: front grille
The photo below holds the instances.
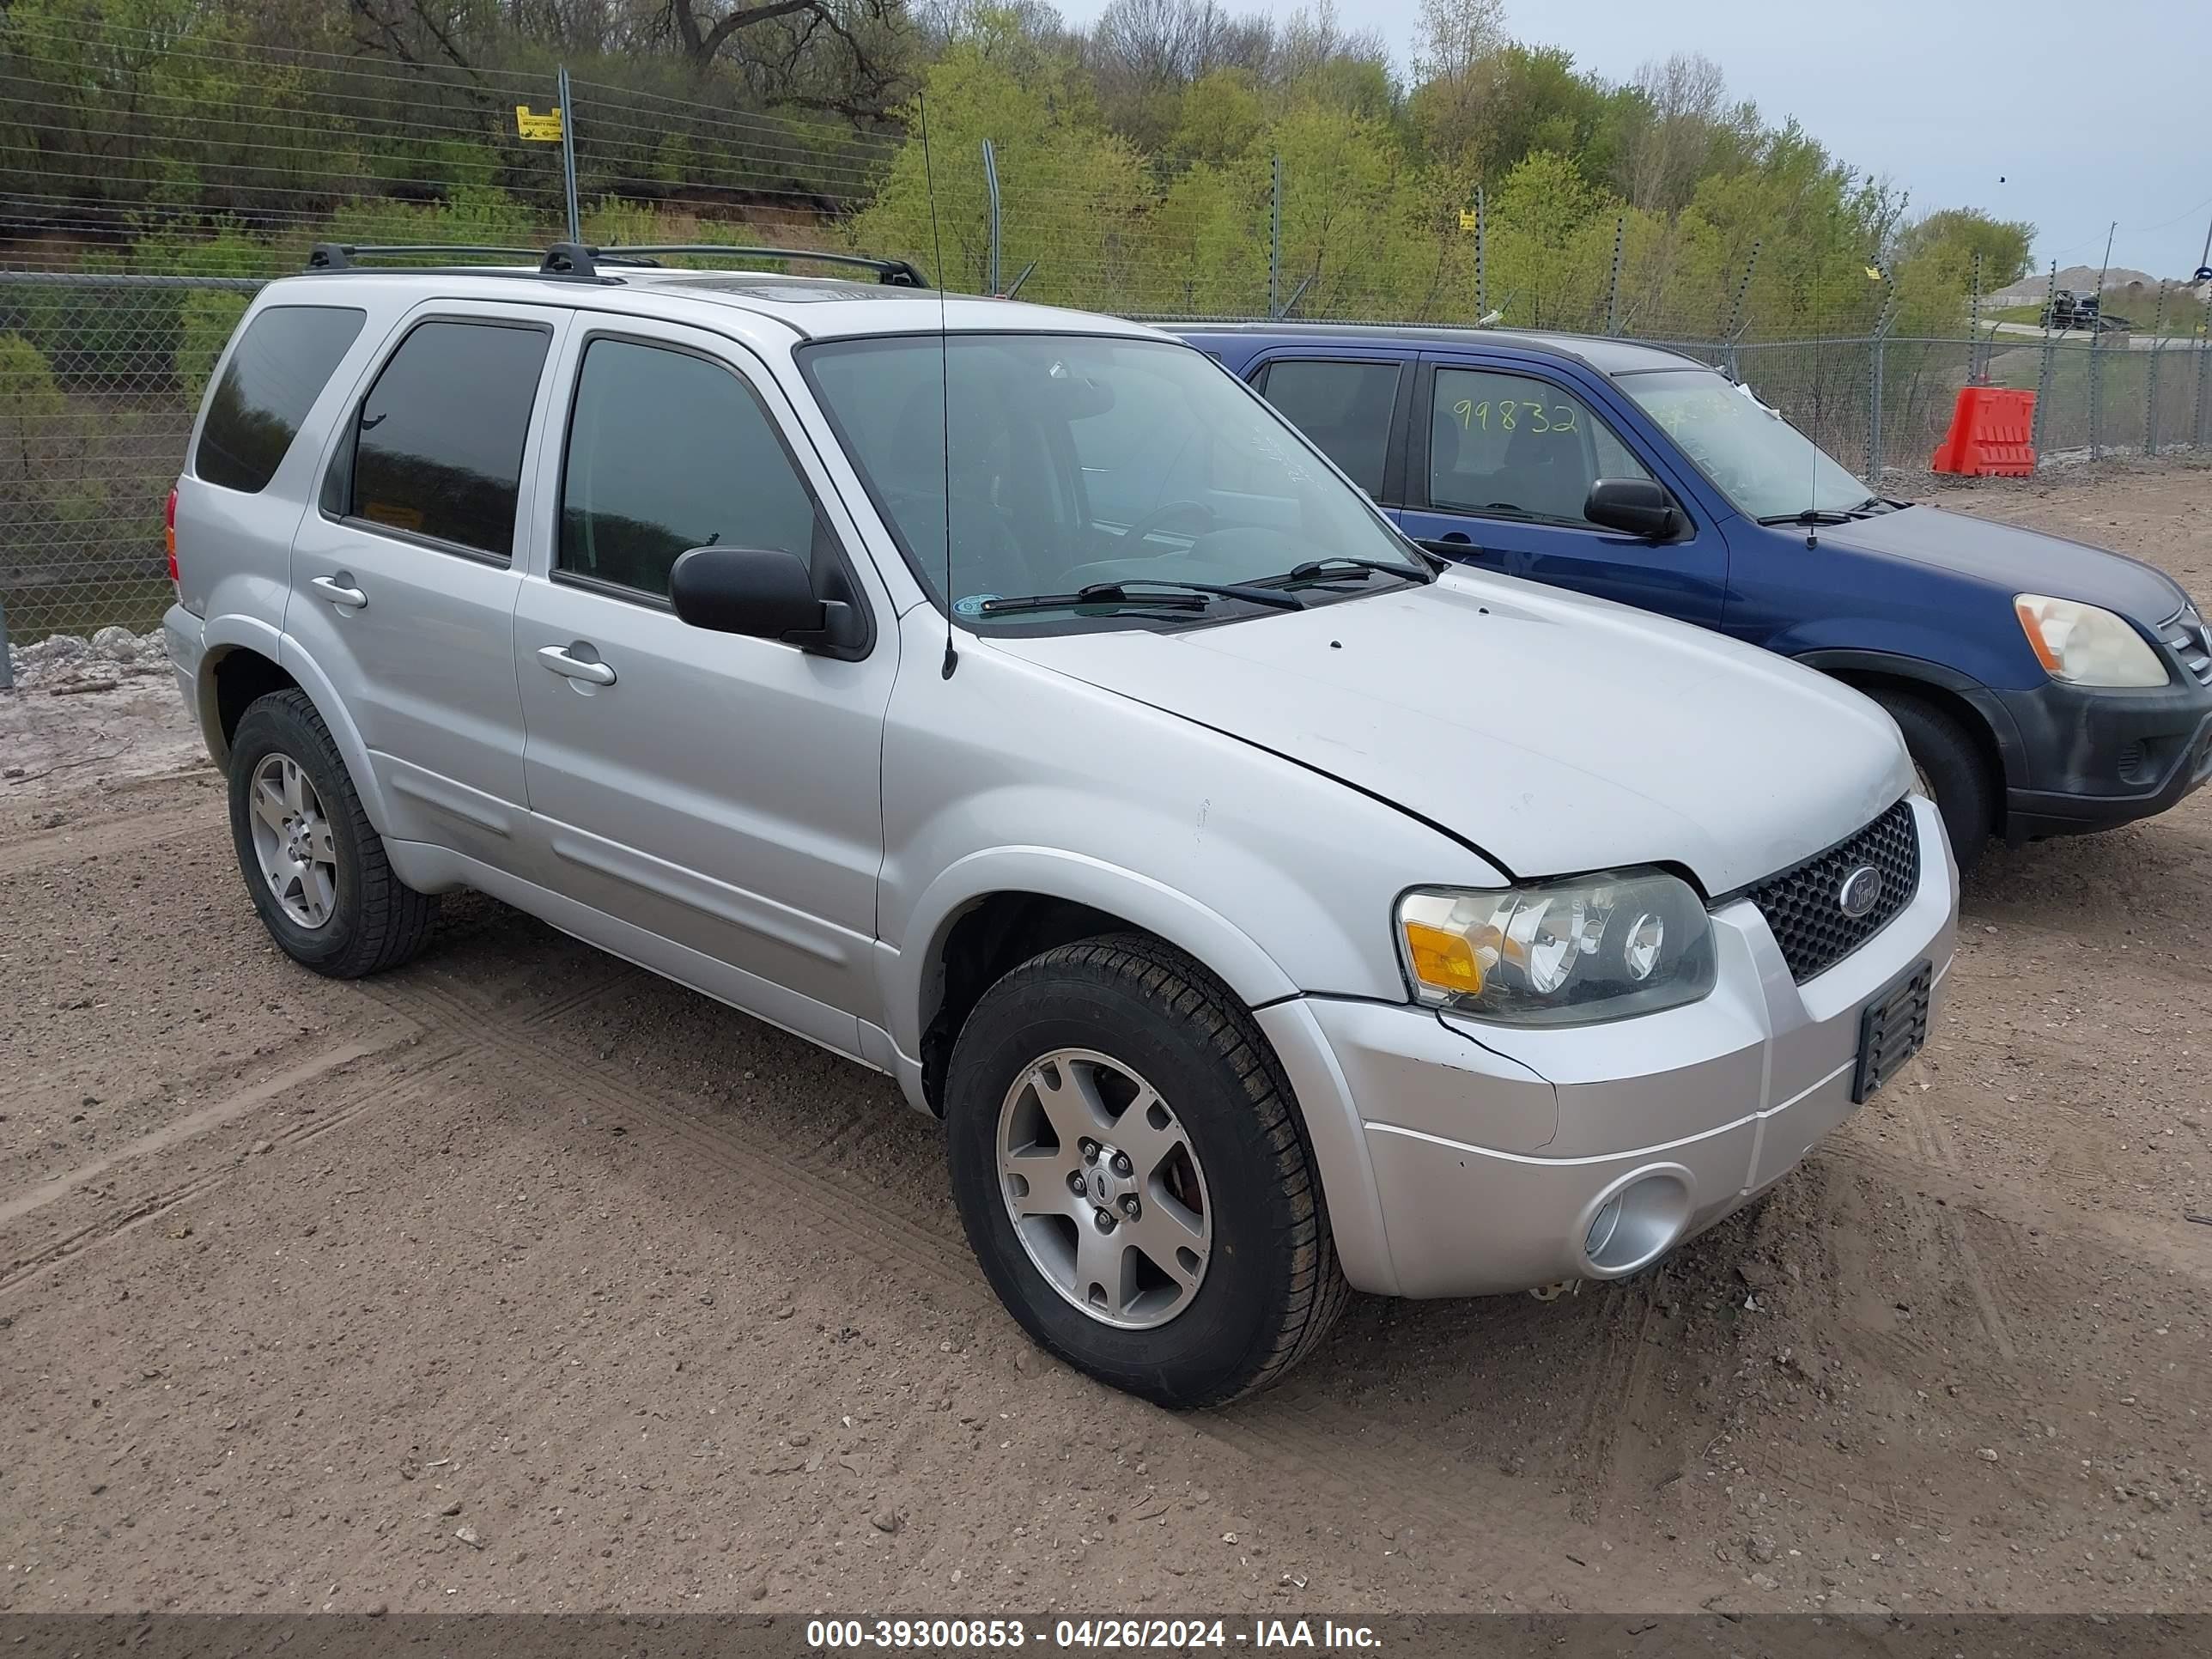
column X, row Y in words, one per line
column 2190, row 639
column 1804, row 906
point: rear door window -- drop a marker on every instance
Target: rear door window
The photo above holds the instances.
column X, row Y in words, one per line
column 279, row 368
column 438, row 452
column 1345, row 407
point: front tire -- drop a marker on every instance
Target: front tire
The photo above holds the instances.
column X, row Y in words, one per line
column 1122, row 1063
column 1951, row 769
column 313, row 864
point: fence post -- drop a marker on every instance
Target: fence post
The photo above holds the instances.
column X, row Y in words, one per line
column 1974, row 326
column 991, row 184
column 2150, row 377
column 1734, row 330
column 1275, row 243
column 2097, row 388
column 7, row 668
column 569, row 156
column 2050, row 361
column 1883, row 324
column 1482, row 298
column 2203, row 362
column 1612, row 282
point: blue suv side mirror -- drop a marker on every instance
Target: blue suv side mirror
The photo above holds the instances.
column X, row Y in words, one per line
column 1636, row 506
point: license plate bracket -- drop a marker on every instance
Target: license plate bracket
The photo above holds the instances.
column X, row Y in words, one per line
column 1892, row 1027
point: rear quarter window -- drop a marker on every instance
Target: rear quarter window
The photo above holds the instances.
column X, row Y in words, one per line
column 279, row 368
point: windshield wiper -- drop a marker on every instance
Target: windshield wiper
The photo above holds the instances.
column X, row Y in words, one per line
column 1810, row 515
column 1182, row 596
column 1344, row 569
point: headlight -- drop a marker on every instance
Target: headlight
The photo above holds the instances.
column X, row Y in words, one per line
column 2084, row 645
column 1558, row 953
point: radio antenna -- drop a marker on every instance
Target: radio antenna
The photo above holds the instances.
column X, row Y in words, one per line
column 944, row 380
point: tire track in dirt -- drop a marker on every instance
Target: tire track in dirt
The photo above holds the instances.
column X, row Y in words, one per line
column 1281, row 1431
column 384, row 1084
column 132, row 832
column 1941, row 1154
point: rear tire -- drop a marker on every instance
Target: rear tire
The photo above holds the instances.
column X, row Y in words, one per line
column 1088, row 1043
column 1952, row 769
column 336, row 907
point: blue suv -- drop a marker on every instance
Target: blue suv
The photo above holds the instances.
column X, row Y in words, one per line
column 2043, row 687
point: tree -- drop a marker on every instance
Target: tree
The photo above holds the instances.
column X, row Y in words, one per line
column 783, row 38
column 1453, row 47
column 1679, row 107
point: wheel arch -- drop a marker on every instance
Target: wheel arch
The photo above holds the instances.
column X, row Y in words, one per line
column 244, row 661
column 990, row 912
column 1965, row 699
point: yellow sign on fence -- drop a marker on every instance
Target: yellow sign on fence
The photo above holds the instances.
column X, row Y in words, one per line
column 537, row 129
column 1467, row 220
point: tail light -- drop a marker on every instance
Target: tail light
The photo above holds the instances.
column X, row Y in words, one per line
column 169, row 536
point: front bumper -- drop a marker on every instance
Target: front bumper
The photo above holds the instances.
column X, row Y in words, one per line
column 1481, row 1155
column 2097, row 758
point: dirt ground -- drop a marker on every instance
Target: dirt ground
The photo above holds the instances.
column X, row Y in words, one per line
column 519, row 1279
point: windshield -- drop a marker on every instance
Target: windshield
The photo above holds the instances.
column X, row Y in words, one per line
column 1081, row 461
column 1765, row 465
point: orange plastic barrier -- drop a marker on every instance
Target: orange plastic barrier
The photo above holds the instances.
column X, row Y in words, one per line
column 1991, row 433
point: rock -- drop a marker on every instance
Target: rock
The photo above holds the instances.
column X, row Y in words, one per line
column 113, row 644
column 453, row 1508
column 885, row 1520
column 259, row 1148
column 55, row 649
column 1759, row 1547
column 1764, row 1581
column 469, row 1535
column 802, row 1438
column 758, row 1592
column 1988, row 1455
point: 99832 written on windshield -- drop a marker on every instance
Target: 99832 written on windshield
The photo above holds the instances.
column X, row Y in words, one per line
column 985, row 1635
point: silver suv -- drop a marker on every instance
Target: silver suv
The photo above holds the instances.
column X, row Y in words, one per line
column 1009, row 700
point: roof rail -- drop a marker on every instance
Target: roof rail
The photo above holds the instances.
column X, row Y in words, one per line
column 342, row 256
column 576, row 258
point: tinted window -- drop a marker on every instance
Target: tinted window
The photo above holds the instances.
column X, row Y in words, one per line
column 283, row 361
column 440, row 450
column 1512, row 445
column 668, row 452
column 1343, row 407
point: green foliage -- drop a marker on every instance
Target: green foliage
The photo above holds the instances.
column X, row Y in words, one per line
column 1136, row 172
column 207, row 320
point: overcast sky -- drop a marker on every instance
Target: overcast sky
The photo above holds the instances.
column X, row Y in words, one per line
column 2088, row 111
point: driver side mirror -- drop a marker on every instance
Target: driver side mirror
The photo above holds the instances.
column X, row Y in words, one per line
column 1636, row 506
column 763, row 593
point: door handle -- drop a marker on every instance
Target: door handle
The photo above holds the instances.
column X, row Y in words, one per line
column 556, row 658
column 340, row 591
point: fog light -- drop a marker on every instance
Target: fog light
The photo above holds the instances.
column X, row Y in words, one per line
column 1638, row 1222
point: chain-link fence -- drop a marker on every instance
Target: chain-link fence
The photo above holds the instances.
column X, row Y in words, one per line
column 149, row 181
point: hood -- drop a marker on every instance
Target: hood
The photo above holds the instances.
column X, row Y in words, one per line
column 2016, row 560
column 1555, row 733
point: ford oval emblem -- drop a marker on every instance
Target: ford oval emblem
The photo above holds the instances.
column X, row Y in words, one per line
column 1860, row 892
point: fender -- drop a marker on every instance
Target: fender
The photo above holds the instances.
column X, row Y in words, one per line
column 1225, row 949
column 219, row 636
column 300, row 666
column 2011, row 750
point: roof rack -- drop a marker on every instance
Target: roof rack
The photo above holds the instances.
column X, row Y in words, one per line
column 342, row 256
column 579, row 260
